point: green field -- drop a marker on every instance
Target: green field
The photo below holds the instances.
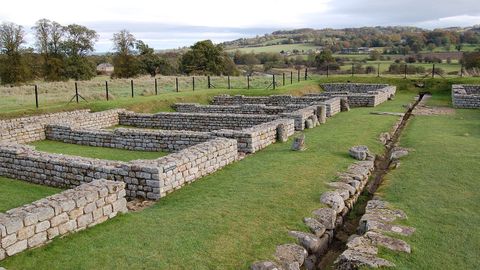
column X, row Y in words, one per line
column 277, row 48
column 437, row 185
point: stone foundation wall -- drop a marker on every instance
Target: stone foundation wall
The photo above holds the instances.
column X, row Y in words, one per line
column 35, row 224
column 150, row 179
column 193, row 121
column 29, row 129
column 352, row 87
column 466, row 96
column 250, row 140
column 365, row 96
column 130, row 139
column 232, row 109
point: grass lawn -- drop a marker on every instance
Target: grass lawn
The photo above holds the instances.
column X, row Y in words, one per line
column 438, row 187
column 15, row 193
column 94, row 152
column 226, row 220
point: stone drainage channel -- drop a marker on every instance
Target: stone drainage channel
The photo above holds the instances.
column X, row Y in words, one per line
column 383, row 164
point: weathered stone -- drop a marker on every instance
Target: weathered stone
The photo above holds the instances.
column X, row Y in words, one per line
column 309, row 124
column 315, row 226
column 344, row 105
column 322, row 114
column 362, row 244
column 37, row 239
column 388, row 242
column 309, row 241
column 16, row 248
column 398, row 153
column 351, row 259
column 359, row 152
column 372, row 225
column 299, row 143
column 311, row 262
column 341, row 185
column 334, row 200
column 326, row 216
column 265, row 266
column 289, row 254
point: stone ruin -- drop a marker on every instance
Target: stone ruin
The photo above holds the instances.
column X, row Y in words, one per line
column 466, row 96
column 201, row 139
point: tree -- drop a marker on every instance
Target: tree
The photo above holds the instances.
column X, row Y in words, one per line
column 324, row 59
column 149, row 61
column 375, row 55
column 13, row 67
column 48, row 36
column 79, row 42
column 206, row 58
column 124, row 61
column 471, row 60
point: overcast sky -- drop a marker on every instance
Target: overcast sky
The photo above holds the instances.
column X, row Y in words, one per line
column 172, row 24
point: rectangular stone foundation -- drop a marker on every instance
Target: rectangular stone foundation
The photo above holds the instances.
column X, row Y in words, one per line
column 36, row 224
column 466, row 96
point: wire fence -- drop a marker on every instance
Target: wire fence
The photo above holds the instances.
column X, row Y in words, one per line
column 103, row 88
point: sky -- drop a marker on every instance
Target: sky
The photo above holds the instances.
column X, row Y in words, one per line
column 173, row 24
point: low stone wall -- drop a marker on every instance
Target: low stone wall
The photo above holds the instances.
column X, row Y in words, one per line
column 365, row 96
column 466, row 96
column 250, row 140
column 194, row 121
column 291, row 103
column 352, row 87
column 29, row 129
column 35, row 224
column 232, row 109
column 150, row 179
column 130, row 139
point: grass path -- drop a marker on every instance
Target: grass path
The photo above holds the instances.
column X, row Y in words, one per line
column 226, row 220
column 438, row 186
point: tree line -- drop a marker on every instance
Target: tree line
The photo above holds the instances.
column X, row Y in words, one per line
column 66, row 52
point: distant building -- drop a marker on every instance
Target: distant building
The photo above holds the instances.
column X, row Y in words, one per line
column 105, row 69
column 359, row 50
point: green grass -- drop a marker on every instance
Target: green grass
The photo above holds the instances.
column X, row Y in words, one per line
column 94, row 152
column 15, row 193
column 226, row 220
column 437, row 185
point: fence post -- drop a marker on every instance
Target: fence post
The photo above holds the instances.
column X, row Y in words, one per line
column 461, row 71
column 131, row 86
column 298, row 75
column 273, row 83
column 433, row 71
column 378, row 70
column 36, row 96
column 405, row 76
column 106, row 89
column 156, row 87
column 248, row 81
column 328, row 69
column 176, row 83
column 283, row 78
column 291, row 77
column 193, row 83
column 76, row 91
column 306, row 73
column 353, row 71
column 208, row 79
column 228, row 78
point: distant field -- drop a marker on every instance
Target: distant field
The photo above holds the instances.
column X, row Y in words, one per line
column 277, row 48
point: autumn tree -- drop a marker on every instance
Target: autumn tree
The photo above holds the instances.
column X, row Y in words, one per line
column 206, row 58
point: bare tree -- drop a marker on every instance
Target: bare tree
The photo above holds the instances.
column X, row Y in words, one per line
column 12, row 37
column 124, row 42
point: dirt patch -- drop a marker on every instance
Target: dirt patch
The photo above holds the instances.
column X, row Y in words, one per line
column 139, row 204
column 423, row 109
